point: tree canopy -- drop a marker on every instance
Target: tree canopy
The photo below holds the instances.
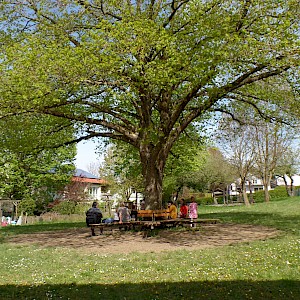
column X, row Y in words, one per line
column 142, row 71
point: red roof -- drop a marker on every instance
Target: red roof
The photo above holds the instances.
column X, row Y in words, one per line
column 89, row 180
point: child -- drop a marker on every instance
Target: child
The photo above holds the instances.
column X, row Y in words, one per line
column 183, row 209
column 193, row 209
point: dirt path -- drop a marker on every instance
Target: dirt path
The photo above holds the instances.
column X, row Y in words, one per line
column 209, row 235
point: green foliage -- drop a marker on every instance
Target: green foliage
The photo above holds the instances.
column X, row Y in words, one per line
column 81, row 208
column 277, row 194
column 29, row 166
column 205, row 201
column 65, row 208
column 122, row 169
column 28, row 206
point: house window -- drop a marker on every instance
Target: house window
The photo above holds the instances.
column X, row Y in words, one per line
column 93, row 191
column 254, row 181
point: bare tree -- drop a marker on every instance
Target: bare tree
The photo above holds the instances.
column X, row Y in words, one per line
column 240, row 149
column 94, row 168
column 287, row 167
column 272, row 141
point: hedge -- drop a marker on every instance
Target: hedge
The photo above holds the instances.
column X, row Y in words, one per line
column 277, row 194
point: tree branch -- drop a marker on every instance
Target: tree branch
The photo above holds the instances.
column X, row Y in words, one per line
column 174, row 11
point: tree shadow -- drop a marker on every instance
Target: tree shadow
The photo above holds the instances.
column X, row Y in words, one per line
column 225, row 290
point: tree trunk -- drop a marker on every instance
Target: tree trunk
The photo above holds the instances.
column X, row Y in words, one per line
column 286, row 186
column 266, row 184
column 267, row 194
column 152, row 168
column 177, row 194
column 292, row 190
column 251, row 193
column 153, row 189
column 245, row 196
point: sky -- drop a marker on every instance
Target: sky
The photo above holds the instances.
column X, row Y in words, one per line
column 86, row 154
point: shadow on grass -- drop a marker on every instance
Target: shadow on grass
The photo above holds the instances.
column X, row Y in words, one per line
column 282, row 289
column 41, row 227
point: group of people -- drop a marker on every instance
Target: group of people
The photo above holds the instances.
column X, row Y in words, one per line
column 185, row 210
column 123, row 214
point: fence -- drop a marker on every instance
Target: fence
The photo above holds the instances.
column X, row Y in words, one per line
column 53, row 217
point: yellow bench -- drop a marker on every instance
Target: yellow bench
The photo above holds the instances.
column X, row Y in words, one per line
column 158, row 214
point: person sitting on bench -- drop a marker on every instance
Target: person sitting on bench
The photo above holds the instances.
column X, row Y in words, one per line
column 172, row 210
column 183, row 209
column 93, row 216
column 124, row 213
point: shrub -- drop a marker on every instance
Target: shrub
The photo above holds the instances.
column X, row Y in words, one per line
column 27, row 206
column 277, row 194
column 81, row 208
column 205, row 201
column 64, row 208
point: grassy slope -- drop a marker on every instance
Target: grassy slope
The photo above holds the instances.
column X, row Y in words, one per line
column 259, row 270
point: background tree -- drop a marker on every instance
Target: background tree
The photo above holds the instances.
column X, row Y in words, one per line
column 218, row 173
column 94, row 168
column 271, row 141
column 139, row 71
column 187, row 156
column 287, row 167
column 122, row 170
column 29, row 170
column 237, row 143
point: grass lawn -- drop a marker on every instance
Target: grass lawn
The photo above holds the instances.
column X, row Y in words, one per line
column 267, row 269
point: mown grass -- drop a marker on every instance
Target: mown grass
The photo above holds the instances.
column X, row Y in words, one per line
column 258, row 270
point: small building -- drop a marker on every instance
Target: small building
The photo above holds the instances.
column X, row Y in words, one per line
column 86, row 186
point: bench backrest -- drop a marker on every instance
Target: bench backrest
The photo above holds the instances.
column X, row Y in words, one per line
column 153, row 214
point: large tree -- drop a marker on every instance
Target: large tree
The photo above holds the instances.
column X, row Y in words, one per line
column 142, row 71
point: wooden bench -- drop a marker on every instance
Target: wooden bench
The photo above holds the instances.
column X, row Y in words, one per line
column 101, row 226
column 148, row 225
column 149, row 214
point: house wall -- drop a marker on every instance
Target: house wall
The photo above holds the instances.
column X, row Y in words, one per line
column 94, row 191
column 254, row 185
column 296, row 179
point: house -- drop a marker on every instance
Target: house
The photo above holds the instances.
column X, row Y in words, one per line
column 295, row 178
column 86, row 186
column 253, row 184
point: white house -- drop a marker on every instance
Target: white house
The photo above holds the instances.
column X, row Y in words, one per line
column 253, row 184
column 86, row 183
column 295, row 178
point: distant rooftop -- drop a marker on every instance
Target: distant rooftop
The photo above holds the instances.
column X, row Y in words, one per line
column 82, row 173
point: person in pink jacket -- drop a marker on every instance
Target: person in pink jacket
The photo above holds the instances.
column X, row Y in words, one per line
column 193, row 209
